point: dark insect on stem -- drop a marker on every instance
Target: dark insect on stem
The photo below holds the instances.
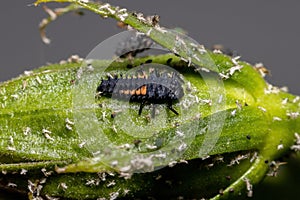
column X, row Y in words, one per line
column 155, row 88
column 133, row 45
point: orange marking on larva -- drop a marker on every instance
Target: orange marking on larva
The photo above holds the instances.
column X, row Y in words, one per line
column 138, row 91
column 132, row 92
column 144, row 90
column 126, row 91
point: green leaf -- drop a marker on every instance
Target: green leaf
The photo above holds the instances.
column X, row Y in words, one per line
column 45, row 113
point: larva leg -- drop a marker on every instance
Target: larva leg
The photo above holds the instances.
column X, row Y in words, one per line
column 141, row 107
column 171, row 108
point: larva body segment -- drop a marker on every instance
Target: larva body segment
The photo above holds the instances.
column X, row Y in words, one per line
column 155, row 88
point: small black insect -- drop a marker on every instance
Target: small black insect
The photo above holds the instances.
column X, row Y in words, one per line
column 155, row 88
column 133, row 45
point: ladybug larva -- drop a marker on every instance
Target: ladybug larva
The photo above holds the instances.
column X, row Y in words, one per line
column 155, row 88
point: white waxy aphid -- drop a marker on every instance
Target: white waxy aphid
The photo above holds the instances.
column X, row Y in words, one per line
column 51, row 198
column 261, row 69
column 125, row 146
column 220, row 98
column 48, row 137
column 293, row 115
column 233, row 69
column 277, row 119
column 262, row 108
column 298, row 138
column 102, row 176
column 284, row 89
column 81, row 145
column 151, row 147
column 183, row 161
column 274, row 166
column 15, row 96
column 122, row 10
column 223, row 76
column 182, row 147
column 11, row 140
column 235, row 60
column 140, row 17
column 43, row 180
column 28, row 73
column 79, row 73
column 11, row 148
column 125, row 169
column 46, row 173
column 217, row 51
column 31, row 186
column 111, row 183
column 114, row 128
column 297, row 98
column 123, row 17
column 47, row 134
column 205, row 157
column 68, row 127
column 233, row 112
column 196, row 57
column 122, row 14
column 203, row 69
column 161, row 155
column 38, row 80
column 183, row 59
column 237, row 159
column 296, row 147
column 23, row 171
column 238, row 104
column 96, row 153
column 106, row 7
column 75, row 59
column 149, row 32
column 63, row 186
column 68, row 121
column 189, row 61
column 280, row 146
column 92, row 182
column 253, row 157
column 114, row 195
column 210, row 165
column 272, row 89
column 207, row 101
column 142, row 163
column 126, row 191
column 13, row 185
column 27, row 131
column 249, row 187
column 179, row 133
column 160, row 29
column 284, row 101
column 103, row 115
column 172, row 163
column 114, row 163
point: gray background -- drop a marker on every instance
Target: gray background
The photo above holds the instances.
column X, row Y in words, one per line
column 261, row 31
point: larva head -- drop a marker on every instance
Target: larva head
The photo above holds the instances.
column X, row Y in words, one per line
column 106, row 87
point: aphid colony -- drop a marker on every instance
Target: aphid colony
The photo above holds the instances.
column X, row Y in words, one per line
column 152, row 88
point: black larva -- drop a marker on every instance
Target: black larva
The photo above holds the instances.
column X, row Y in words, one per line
column 155, row 88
